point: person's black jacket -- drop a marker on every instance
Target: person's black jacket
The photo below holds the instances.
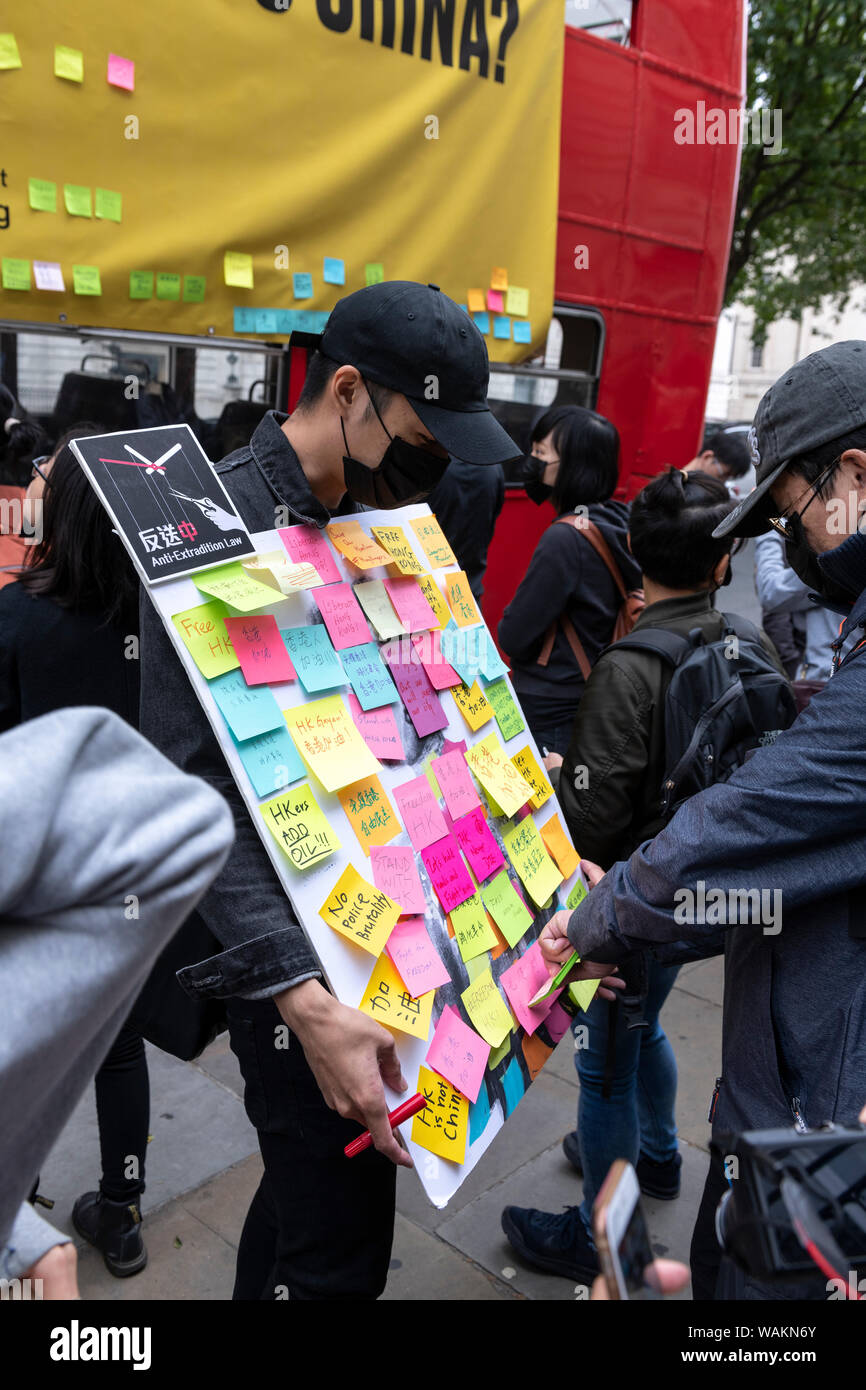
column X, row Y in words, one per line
column 466, row 502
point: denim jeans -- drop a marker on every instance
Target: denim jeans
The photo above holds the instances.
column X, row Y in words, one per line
column 638, row 1115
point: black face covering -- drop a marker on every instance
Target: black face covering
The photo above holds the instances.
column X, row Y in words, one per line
column 804, row 562
column 536, row 490
column 406, row 473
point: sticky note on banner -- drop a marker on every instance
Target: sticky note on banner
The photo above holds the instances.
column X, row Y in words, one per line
column 529, row 768
column 517, row 301
column 9, row 55
column 76, row 200
column 360, row 912
column 415, row 957
column 494, row 302
column 521, row 981
column 313, row 657
column 260, row 650
column 359, row 548
column 431, row 592
column 492, row 665
column 472, row 930
column 109, row 205
column 194, row 287
column 559, row 845
column 374, row 273
column 42, row 195
column 271, row 761
column 508, row 716
column 167, row 285
column 378, row 608
column 475, row 301
column 48, row 275
column 410, row 605
column 421, row 813
column 307, row 545
column 343, row 617
column 488, row 1010
column 16, row 273
column 121, row 72
column 433, row 541
column 513, row 1085
column 474, row 837
column 395, row 541
column 422, row 703
column 507, row 908
column 473, row 705
column 396, row 873
column 387, row 1000
column 457, row 786
column 368, row 676
column 233, row 585
column 464, row 648
column 577, row 895
column 238, row 269
column 461, row 600
column 68, row 63
column 498, row 775
column 502, row 326
column 479, row 1114
column 458, row 1054
column 525, row 848
column 448, row 873
column 499, row 278
column 522, row 331
column 273, row 568
column 203, row 632
column 378, row 729
column 300, row 827
column 86, row 280
column 329, row 742
column 482, row 323
column 441, row 1126
column 369, row 812
column 248, row 710
column 428, row 647
column 302, row 285
column 333, row 271
column 141, row 284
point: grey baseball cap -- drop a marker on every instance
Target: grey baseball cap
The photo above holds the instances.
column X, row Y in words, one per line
column 818, row 399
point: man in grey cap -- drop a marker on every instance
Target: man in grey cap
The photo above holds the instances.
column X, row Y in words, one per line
column 770, row 866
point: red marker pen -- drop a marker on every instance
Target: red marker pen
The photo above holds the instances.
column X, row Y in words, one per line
column 396, row 1117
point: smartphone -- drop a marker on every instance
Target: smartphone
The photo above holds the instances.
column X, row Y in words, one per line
column 621, row 1235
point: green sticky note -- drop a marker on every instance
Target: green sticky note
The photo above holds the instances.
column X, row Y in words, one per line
column 16, row 274
column 517, row 301
column 498, row 1053
column 68, row 63
column 43, row 195
column 9, row 55
column 582, row 992
column 506, row 907
column 85, row 279
column 193, row 289
column 141, row 284
column 108, row 204
column 167, row 285
column 558, row 979
column 577, row 895
column 508, row 716
column 374, row 272
column 77, row 199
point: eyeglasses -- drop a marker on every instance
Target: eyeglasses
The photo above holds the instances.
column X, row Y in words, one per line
column 782, row 522
column 43, row 458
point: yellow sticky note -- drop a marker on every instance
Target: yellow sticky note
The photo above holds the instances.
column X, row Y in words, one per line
column 358, row 548
column 9, row 55
column 373, row 598
column 432, row 593
column 472, row 704
column 235, row 586
column 42, row 194
column 76, row 199
column 498, row 1053
column 434, row 542
column 360, row 912
column 560, row 846
column 85, row 279
column 498, row 775
column 431, row 778
column 525, row 849
column 329, row 743
column 583, row 992
column 238, row 269
column 394, row 540
column 472, row 930
column 499, row 278
column 370, row 813
column 441, row 1127
column 204, row 635
column 68, row 63
column 475, row 301
column 277, row 572
column 388, row 1001
column 528, row 767
column 489, row 1012
column 517, row 301
column 460, row 600
column 300, row 827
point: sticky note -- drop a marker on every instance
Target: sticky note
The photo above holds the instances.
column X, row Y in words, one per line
column 109, row 206
column 517, row 301
column 274, row 568
column 16, row 273
column 557, row 1023
column 302, row 285
column 422, row 703
column 522, row 331
column 68, row 63
column 300, row 827
column 525, row 849
column 441, row 1126
column 141, row 284
column 396, row 542
column 121, row 72
column 434, row 542
column 48, row 275
column 373, row 598
column 415, row 957
column 85, row 279
column 429, row 650
column 374, row 273
column 9, row 55
column 464, row 648
column 76, row 198
column 508, row 716
column 378, row 729
column 360, row 912
column 472, row 930
column 42, row 194
column 313, row 657
column 388, row 1000
column 431, row 592
column 167, row 285
column 233, row 585
column 559, row 845
column 421, row 813
column 448, row 873
column 513, row 1085
column 479, row 1114
column 410, row 605
column 499, row 278
column 475, row 839
column 329, row 742
column 369, row 812
column 203, row 633
column 475, row 301
column 473, row 705
column 487, row 1009
column 457, row 786
column 434, row 785
column 368, row 676
column 248, row 710
column 334, row 271
column 495, row 302
column 506, row 907
column 238, row 269
column 532, row 772
column 343, row 617
column 498, row 775
column 502, row 326
column 582, row 992
column 577, row 895
column 458, row 1053
column 359, row 548
column 453, row 747
column 492, row 665
column 521, row 981
column 482, row 322
column 499, row 1053
column 460, row 599
column 194, row 287
column 307, row 545
column 396, row 873
column 260, row 650
column 271, row 761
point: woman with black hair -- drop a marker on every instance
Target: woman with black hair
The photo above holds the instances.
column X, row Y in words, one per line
column 565, row 609
column 21, row 441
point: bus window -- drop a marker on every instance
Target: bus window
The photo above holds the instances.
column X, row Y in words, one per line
column 607, row 19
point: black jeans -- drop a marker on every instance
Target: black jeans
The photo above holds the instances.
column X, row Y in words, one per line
column 123, row 1112
column 320, row 1225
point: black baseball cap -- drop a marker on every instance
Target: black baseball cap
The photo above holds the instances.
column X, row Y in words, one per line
column 819, row 399
column 414, row 340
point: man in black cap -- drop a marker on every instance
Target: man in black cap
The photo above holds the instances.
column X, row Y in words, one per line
column 397, row 383
column 788, row 830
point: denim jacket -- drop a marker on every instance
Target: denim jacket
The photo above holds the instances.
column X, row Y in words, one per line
column 246, row 909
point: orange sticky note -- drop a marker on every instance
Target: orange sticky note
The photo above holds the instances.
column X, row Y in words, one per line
column 472, row 704
column 499, row 278
column 559, row 845
column 460, row 599
column 370, row 813
column 475, row 302
column 360, row 912
column 387, row 999
column 358, row 548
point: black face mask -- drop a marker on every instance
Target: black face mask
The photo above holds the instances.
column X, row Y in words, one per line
column 804, row 562
column 405, row 474
column 536, row 490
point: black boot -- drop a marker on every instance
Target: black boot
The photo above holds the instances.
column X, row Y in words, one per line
column 115, row 1229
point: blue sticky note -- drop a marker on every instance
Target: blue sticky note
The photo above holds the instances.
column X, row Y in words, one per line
column 492, row 665
column 313, row 657
column 335, row 271
column 479, row 1114
column 266, row 321
column 501, row 326
column 465, row 308
column 522, row 331
column 271, row 761
column 464, row 649
column 513, row 1085
column 482, row 322
column 302, row 286
column 245, row 320
column 369, row 676
column 248, row 710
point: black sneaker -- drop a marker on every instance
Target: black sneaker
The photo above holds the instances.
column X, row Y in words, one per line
column 571, row 1149
column 115, row 1229
column 556, row 1242
column 660, row 1180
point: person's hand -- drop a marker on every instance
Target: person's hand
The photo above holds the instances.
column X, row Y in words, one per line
column 862, row 1116
column 350, row 1056
column 553, row 760
column 593, row 873
column 58, row 1270
column 666, row 1276
column 556, row 949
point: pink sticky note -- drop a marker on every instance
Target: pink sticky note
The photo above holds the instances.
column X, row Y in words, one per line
column 307, row 544
column 458, row 1054
column 478, row 844
column 416, row 692
column 449, row 747
column 346, row 624
column 410, row 605
column 396, row 873
column 260, row 649
column 415, row 957
column 557, row 1023
column 121, row 72
column 378, row 729
column 420, row 812
column 448, row 873
column 494, row 301
column 521, row 981
column 455, row 783
column 442, row 676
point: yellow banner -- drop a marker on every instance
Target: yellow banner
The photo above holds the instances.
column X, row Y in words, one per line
column 219, row 166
